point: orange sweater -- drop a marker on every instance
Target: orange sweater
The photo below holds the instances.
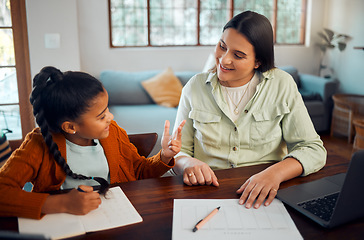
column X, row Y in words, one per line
column 33, row 162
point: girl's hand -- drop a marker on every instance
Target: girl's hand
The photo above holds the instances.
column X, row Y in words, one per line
column 81, row 203
column 196, row 172
column 73, row 202
column 258, row 187
column 171, row 144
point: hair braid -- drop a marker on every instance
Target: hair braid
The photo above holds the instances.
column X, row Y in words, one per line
column 47, row 76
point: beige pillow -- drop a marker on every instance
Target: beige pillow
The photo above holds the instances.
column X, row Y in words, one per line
column 164, row 88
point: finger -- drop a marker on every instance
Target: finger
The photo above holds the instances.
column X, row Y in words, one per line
column 177, row 135
column 186, row 179
column 209, row 175
column 272, row 195
column 252, row 196
column 166, row 128
column 242, row 187
column 84, row 188
column 94, row 195
column 262, row 195
column 214, row 180
column 246, row 193
column 200, row 177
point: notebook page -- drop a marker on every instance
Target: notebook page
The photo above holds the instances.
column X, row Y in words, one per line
column 233, row 221
column 52, row 226
column 115, row 210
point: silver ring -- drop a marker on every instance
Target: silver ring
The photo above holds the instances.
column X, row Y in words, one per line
column 190, row 174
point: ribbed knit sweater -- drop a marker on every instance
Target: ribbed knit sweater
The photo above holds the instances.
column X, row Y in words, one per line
column 32, row 162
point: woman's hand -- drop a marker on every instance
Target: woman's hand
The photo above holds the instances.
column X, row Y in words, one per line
column 195, row 172
column 171, row 144
column 266, row 183
column 258, row 187
column 74, row 202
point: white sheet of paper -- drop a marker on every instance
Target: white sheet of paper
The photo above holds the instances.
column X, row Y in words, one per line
column 115, row 211
column 233, row 221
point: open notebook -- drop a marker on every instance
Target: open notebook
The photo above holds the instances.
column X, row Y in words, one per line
column 115, row 211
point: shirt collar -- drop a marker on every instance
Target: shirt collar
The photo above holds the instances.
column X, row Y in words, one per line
column 267, row 75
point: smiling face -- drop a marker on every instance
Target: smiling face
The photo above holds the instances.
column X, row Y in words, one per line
column 235, row 59
column 93, row 124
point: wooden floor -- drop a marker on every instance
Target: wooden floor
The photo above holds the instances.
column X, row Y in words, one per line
column 337, row 146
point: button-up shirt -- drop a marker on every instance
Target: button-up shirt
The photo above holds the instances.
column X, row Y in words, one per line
column 274, row 124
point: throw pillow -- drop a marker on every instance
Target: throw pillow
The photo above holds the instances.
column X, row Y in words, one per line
column 5, row 149
column 164, row 88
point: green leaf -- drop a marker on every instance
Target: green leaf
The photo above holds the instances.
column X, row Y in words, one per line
column 324, row 37
column 341, row 46
column 329, row 33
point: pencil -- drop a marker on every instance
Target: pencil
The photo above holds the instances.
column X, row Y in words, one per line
column 202, row 222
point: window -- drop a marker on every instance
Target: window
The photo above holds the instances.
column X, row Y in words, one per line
column 16, row 119
column 136, row 23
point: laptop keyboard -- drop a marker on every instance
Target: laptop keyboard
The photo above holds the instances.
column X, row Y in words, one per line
column 322, row 207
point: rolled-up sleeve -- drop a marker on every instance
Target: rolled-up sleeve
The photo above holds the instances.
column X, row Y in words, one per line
column 303, row 143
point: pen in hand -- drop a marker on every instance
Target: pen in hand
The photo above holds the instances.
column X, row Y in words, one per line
column 207, row 218
column 81, row 190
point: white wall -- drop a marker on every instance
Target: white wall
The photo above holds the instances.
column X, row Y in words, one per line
column 347, row 17
column 49, row 17
column 84, row 29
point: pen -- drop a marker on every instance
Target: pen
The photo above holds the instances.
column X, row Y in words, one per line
column 203, row 221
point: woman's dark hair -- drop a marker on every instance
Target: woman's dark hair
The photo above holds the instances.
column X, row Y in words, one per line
column 57, row 97
column 258, row 30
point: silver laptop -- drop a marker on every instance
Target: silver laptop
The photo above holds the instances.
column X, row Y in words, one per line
column 333, row 200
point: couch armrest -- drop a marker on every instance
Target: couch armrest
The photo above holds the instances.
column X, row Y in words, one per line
column 323, row 86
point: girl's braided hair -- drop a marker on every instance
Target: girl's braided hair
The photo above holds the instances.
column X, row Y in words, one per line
column 57, row 97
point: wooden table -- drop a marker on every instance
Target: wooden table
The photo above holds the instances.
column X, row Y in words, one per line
column 153, row 199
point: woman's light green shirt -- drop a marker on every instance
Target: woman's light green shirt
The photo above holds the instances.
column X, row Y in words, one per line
column 274, row 125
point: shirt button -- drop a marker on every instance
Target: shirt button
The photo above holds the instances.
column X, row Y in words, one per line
column 246, row 111
column 235, row 148
column 236, row 129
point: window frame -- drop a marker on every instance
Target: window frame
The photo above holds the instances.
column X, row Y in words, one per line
column 22, row 66
column 231, row 14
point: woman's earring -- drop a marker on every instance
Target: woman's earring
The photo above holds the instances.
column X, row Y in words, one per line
column 74, row 132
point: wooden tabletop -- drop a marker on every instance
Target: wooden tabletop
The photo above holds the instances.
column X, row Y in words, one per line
column 153, row 199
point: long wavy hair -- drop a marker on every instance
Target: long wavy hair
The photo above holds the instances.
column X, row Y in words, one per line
column 57, row 97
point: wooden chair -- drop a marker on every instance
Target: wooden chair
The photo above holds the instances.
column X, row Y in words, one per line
column 359, row 135
column 347, row 108
column 144, row 142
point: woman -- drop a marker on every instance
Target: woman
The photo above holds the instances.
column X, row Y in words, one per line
column 244, row 112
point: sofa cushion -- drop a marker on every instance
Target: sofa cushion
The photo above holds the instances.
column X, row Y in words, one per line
column 164, row 88
column 294, row 73
column 125, row 87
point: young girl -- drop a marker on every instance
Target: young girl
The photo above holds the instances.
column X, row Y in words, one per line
column 77, row 145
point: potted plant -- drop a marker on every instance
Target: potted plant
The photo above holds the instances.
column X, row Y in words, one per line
column 329, row 40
